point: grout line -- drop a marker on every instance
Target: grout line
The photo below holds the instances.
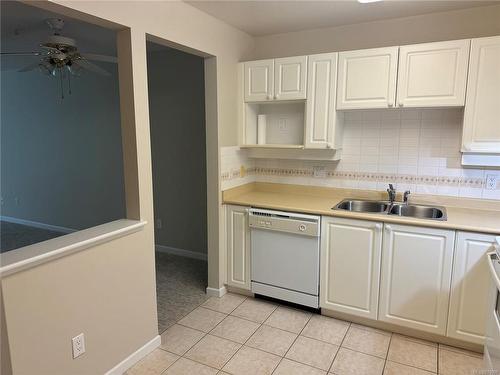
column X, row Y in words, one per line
column 387, row 354
column 293, row 343
column 415, row 367
column 340, row 346
column 461, row 351
column 241, row 345
column 210, row 308
column 241, row 317
column 183, row 316
column 437, row 359
column 260, row 325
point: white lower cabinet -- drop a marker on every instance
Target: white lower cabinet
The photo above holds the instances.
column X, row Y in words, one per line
column 470, row 283
column 416, row 277
column 238, row 247
column 350, row 266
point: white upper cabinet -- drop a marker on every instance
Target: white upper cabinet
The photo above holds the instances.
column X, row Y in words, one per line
column 367, row 78
column 320, row 129
column 259, row 80
column 416, row 277
column 290, row 78
column 276, row 79
column 350, row 266
column 471, row 280
column 433, row 74
column 481, row 131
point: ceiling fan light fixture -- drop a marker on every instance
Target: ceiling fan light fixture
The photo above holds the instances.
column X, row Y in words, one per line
column 45, row 68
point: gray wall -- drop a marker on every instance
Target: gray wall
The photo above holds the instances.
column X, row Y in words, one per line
column 61, row 161
column 177, row 120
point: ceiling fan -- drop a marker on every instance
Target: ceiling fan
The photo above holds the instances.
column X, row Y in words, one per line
column 59, row 56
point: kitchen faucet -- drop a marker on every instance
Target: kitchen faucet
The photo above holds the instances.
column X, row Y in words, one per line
column 392, row 194
column 405, row 197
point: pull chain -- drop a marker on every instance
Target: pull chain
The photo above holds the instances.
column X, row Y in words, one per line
column 69, row 83
column 61, row 80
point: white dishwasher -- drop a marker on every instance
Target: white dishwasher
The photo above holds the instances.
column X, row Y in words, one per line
column 285, row 255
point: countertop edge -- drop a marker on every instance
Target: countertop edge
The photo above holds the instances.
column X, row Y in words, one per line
column 369, row 217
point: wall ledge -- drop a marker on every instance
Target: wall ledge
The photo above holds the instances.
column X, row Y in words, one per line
column 33, row 255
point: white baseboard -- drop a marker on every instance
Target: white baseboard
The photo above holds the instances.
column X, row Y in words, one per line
column 180, row 252
column 36, row 224
column 135, row 357
column 214, row 292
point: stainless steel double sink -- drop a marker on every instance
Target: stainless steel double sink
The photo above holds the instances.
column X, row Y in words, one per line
column 388, row 208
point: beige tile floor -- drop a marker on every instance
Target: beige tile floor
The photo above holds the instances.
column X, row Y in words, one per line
column 246, row 336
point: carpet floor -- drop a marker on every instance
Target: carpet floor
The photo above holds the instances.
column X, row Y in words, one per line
column 180, row 287
column 13, row 236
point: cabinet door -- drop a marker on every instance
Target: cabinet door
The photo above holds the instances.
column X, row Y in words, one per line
column 290, row 74
column 238, row 247
column 482, row 108
column 433, row 74
column 416, row 277
column 469, row 289
column 259, row 80
column 367, row 78
column 320, row 109
column 350, row 266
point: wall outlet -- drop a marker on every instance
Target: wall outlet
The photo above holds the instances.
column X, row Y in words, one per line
column 158, row 224
column 319, row 172
column 78, row 345
column 16, row 201
column 491, row 181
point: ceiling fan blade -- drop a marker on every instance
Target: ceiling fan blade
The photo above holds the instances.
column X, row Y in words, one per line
column 96, row 57
column 21, row 53
column 48, row 48
column 29, row 67
column 91, row 67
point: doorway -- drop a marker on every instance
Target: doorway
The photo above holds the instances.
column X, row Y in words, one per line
column 176, row 86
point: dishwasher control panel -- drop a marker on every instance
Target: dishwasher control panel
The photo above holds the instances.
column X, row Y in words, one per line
column 307, row 225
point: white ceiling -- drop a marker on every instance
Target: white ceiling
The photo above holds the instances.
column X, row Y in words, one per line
column 260, row 18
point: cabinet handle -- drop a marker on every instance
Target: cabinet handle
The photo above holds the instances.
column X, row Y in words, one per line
column 378, row 226
column 390, row 105
column 276, row 96
column 328, row 145
column 269, row 97
column 467, row 147
column 401, row 104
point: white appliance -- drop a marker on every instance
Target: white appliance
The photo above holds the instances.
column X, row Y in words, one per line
column 285, row 255
column 492, row 344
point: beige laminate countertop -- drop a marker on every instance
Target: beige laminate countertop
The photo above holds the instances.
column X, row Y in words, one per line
column 475, row 215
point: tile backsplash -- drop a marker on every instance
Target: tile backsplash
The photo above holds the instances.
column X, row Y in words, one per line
column 416, row 149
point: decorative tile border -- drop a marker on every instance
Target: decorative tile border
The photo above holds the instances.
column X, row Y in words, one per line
column 236, row 173
column 357, row 176
column 377, row 177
